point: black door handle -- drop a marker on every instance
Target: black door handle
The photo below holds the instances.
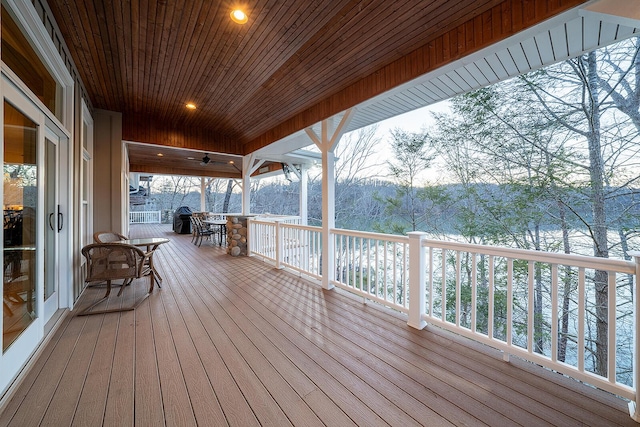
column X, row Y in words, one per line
column 50, row 223
column 60, row 219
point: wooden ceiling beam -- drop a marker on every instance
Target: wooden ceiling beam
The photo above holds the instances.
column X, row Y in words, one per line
column 138, row 128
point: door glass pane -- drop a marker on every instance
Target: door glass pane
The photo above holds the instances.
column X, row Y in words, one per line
column 51, row 225
column 19, row 205
column 23, row 60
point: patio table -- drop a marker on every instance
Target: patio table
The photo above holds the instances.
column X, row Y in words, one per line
column 221, row 224
column 151, row 243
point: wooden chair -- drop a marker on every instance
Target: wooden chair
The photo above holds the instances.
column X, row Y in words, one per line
column 115, row 261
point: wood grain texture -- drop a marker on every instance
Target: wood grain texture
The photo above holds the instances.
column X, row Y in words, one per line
column 293, row 64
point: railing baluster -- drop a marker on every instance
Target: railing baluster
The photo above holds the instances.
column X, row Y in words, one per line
column 530, row 308
column 491, row 297
column 405, row 276
column 611, row 330
column 582, row 307
column 377, row 271
column 431, row 313
column 509, row 337
column 474, row 291
column 444, row 286
column 554, row 312
column 458, row 288
column 384, row 272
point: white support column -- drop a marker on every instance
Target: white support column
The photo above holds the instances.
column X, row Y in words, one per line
column 327, row 142
column 246, row 184
column 417, row 262
column 249, row 165
column 203, row 201
column 304, row 195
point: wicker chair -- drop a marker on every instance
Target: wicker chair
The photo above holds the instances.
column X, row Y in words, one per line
column 114, row 261
column 108, row 237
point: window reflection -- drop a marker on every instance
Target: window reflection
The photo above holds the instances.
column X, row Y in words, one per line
column 19, row 205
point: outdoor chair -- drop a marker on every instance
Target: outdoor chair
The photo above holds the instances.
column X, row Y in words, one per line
column 201, row 231
column 108, row 236
column 115, row 261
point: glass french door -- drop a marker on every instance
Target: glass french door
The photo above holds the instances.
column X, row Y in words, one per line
column 54, row 222
column 33, row 220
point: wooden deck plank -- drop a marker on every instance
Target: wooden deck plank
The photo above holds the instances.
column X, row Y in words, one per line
column 93, row 399
column 44, row 386
column 274, row 369
column 204, row 402
column 343, row 396
column 259, row 398
column 148, row 393
column 236, row 409
column 12, row 406
column 355, row 363
column 455, row 352
column 175, row 398
column 320, row 350
column 232, row 341
column 65, row 400
column 120, row 398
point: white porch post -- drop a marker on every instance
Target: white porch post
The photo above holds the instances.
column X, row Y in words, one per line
column 304, row 190
column 203, row 202
column 417, row 260
column 327, row 142
column 246, row 184
column 249, row 165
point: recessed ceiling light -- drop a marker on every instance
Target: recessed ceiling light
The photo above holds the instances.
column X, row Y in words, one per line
column 239, row 17
column 160, row 155
column 231, row 162
column 191, row 106
column 191, row 158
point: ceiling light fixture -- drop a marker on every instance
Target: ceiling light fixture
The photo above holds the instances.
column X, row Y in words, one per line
column 239, row 17
column 191, row 106
column 160, row 155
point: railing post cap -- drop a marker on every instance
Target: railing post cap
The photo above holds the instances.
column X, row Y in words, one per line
column 416, row 234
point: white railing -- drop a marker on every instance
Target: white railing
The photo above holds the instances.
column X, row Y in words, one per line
column 374, row 266
column 261, row 239
column 301, row 249
column 536, row 305
column 284, row 219
column 145, row 217
column 540, row 306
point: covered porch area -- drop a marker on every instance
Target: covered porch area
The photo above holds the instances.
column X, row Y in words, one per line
column 233, row 341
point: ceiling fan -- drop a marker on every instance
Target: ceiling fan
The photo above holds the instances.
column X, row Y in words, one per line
column 205, row 160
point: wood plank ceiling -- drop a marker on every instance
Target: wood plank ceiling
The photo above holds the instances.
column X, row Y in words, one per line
column 293, row 64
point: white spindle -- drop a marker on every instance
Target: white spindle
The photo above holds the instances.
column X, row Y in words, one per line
column 554, row 312
column 474, row 291
column 582, row 307
column 530, row 308
column 509, row 338
column 611, row 331
column 491, row 296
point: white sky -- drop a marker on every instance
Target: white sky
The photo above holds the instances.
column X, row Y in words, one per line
column 413, row 121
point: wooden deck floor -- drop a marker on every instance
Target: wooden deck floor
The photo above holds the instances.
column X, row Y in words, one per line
column 232, row 341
